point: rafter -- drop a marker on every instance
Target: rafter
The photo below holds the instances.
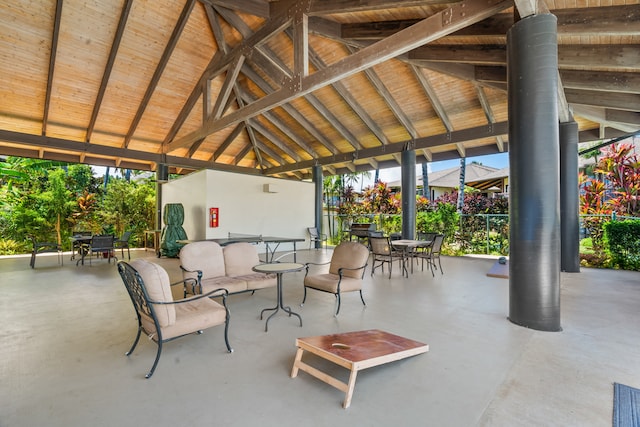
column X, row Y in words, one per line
column 117, row 38
column 433, row 98
column 273, row 139
column 344, row 93
column 52, row 65
column 488, row 112
column 253, row 7
column 326, row 7
column 619, row 101
column 274, row 120
column 393, row 105
column 292, row 111
column 396, row 148
column 166, row 54
column 431, row 28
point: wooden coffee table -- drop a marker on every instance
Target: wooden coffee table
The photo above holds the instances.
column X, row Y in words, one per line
column 354, row 351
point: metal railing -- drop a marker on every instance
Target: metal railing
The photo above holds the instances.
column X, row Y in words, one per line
column 480, row 233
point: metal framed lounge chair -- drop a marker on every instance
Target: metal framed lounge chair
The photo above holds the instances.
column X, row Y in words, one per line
column 160, row 317
column 346, row 270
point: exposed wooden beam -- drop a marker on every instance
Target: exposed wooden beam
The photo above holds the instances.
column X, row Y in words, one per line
column 278, row 123
column 433, row 97
column 52, row 65
column 486, row 131
column 252, row 7
column 292, row 111
column 529, row 7
column 269, row 152
column 326, row 7
column 300, row 37
column 264, row 58
column 488, row 112
column 344, row 93
column 242, row 153
column 273, row 139
column 617, row 20
column 117, row 38
column 164, row 59
column 429, row 29
column 618, row 101
column 227, row 141
column 333, row 120
column 622, row 57
column 227, row 87
column 610, row 81
column 393, row 105
column 467, row 54
column 604, row 115
column 99, row 152
column 620, row 116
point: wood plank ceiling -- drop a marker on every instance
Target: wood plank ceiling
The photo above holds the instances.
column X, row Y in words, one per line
column 276, row 87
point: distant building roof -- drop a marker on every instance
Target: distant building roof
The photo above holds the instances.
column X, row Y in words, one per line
column 450, row 178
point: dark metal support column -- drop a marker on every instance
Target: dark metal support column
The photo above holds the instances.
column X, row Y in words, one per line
column 534, row 160
column 162, row 176
column 318, row 180
column 408, row 182
column 569, row 199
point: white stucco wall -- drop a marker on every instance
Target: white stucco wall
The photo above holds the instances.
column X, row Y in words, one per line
column 243, row 205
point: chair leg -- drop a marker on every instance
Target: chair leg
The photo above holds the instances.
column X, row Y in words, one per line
column 32, row 263
column 135, row 342
column 338, row 305
column 362, row 298
column 226, row 333
column 441, row 272
column 304, row 298
column 155, row 363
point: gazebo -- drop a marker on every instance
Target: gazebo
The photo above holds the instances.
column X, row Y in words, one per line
column 299, row 89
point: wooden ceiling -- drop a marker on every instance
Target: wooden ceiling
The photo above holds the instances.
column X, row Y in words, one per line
column 276, row 87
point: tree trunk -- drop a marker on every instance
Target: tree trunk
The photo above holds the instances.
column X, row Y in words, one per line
column 425, row 181
column 463, row 167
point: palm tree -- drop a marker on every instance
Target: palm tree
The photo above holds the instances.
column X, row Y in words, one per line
column 463, row 166
column 425, row 180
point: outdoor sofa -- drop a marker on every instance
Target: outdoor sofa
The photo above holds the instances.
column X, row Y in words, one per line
column 228, row 267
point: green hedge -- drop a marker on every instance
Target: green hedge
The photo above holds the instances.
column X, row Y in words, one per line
column 623, row 241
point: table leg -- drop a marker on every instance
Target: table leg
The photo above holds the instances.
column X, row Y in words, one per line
column 351, row 385
column 278, row 306
column 294, row 370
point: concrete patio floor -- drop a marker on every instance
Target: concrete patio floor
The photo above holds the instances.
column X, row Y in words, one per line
column 64, row 331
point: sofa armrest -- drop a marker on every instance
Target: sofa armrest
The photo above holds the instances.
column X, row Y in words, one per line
column 198, row 280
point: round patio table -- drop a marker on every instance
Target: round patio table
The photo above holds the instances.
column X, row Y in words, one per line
column 279, row 268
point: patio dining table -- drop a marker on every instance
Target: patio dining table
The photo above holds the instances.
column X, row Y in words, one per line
column 407, row 246
column 78, row 243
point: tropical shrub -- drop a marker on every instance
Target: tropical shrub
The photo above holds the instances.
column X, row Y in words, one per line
column 623, row 242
